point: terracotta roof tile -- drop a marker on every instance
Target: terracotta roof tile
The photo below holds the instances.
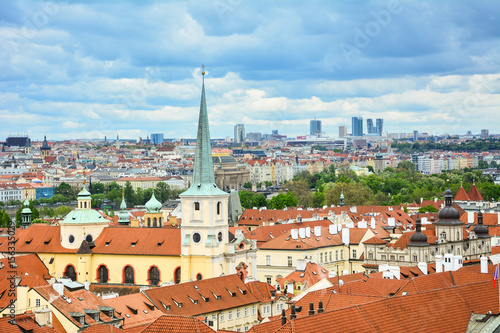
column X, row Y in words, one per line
column 178, row 324
column 474, row 194
column 461, row 195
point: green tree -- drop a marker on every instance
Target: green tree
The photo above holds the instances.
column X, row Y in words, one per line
column 65, row 190
column 428, row 209
column 281, row 201
column 247, row 185
column 5, row 219
column 59, row 198
column 128, row 192
column 250, row 199
column 98, row 188
column 62, row 211
column 355, row 194
column 318, row 199
column 301, row 191
column 97, row 200
column 164, row 192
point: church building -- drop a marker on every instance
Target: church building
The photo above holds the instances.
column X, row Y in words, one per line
column 85, row 248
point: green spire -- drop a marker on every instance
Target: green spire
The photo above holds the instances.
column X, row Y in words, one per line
column 203, row 177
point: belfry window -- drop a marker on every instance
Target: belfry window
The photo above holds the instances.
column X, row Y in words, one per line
column 197, row 206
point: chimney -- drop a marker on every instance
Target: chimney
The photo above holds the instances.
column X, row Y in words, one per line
column 283, row 317
column 484, row 265
column 295, row 233
column 58, row 287
column 292, row 313
column 439, row 264
column 308, row 232
column 302, row 233
column 391, row 222
column 423, row 267
column 435, row 199
column 320, row 306
column 470, row 217
column 372, row 222
column 86, row 285
column 332, row 228
column 317, row 231
column 457, row 262
column 448, row 262
column 345, row 236
column 311, row 309
column 301, row 265
column 362, row 224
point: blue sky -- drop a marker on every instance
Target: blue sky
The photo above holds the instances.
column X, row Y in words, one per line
column 89, row 69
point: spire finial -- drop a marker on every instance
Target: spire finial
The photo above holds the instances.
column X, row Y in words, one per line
column 202, row 69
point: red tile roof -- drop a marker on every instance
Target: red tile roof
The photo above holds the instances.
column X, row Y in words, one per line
column 38, row 238
column 474, row 194
column 310, row 276
column 136, row 309
column 203, row 296
column 461, row 195
column 178, row 324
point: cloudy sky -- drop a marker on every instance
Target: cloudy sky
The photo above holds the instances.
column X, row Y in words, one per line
column 89, row 69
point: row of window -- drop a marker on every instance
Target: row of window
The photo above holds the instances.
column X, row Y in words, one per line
column 128, row 274
column 196, row 207
column 238, row 313
column 324, row 257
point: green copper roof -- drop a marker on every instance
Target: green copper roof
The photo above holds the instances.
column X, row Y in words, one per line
column 84, row 193
column 153, row 205
column 26, row 209
column 123, row 204
column 203, row 177
column 84, row 216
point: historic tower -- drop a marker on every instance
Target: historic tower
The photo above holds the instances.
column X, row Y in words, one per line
column 204, row 228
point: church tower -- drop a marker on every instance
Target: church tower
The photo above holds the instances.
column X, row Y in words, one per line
column 26, row 214
column 45, row 150
column 204, row 228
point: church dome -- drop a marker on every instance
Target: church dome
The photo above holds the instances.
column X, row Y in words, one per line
column 448, row 214
column 84, row 194
column 153, row 205
column 26, row 209
column 418, row 238
column 480, row 229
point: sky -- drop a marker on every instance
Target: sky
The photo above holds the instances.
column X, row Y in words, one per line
column 90, row 69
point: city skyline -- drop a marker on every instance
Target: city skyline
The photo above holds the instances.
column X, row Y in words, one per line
column 90, row 70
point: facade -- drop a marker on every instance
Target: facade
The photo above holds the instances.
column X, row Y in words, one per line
column 45, row 150
column 357, row 126
column 369, row 126
column 228, row 174
column 485, row 133
column 315, row 127
column 239, row 133
column 342, row 131
column 157, row 138
column 380, row 126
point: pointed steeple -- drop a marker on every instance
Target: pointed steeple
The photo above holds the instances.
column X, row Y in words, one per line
column 203, row 177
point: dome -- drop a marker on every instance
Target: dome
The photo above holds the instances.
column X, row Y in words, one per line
column 448, row 214
column 480, row 229
column 418, row 238
column 26, row 209
column 84, row 193
column 153, row 205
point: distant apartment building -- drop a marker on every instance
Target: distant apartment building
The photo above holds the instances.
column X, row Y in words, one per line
column 380, row 126
column 239, row 133
column 369, row 126
column 315, row 127
column 415, row 135
column 357, row 126
column 485, row 133
column 257, row 136
column 342, row 131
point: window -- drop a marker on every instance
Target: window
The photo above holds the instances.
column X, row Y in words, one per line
column 219, row 208
column 415, row 259
column 268, row 280
column 37, row 302
column 331, row 256
column 370, row 256
column 219, row 237
column 222, row 316
column 103, row 276
column 196, row 237
column 354, row 254
column 393, row 257
column 230, row 315
column 321, row 258
column 290, row 261
column 238, row 313
column 177, row 275
column 70, row 272
column 254, row 310
column 196, row 206
column 342, row 254
column 337, row 255
column 71, row 239
column 246, row 311
column 128, row 273
column 458, row 235
column 384, row 257
column 268, row 260
column 279, row 307
column 154, row 276
column 199, row 276
column 89, row 238
column 401, row 258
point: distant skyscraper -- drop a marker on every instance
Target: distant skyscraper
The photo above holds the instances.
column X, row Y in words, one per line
column 239, row 133
column 357, row 126
column 485, row 133
column 315, row 127
column 254, row 136
column 342, row 131
column 415, row 135
column 157, row 138
column 369, row 126
column 380, row 126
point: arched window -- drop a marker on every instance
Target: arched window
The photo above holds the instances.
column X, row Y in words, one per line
column 177, row 275
column 149, row 222
column 154, row 276
column 85, row 204
column 159, row 222
column 199, row 276
column 128, row 275
column 154, row 222
column 458, row 235
column 102, row 274
column 219, row 208
column 70, row 272
column 196, row 205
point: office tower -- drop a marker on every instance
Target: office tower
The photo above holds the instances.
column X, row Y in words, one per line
column 485, row 133
column 342, row 131
column 239, row 133
column 315, row 127
column 357, row 126
column 369, row 126
column 380, row 126
column 257, row 136
column 415, row 135
column 157, row 138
